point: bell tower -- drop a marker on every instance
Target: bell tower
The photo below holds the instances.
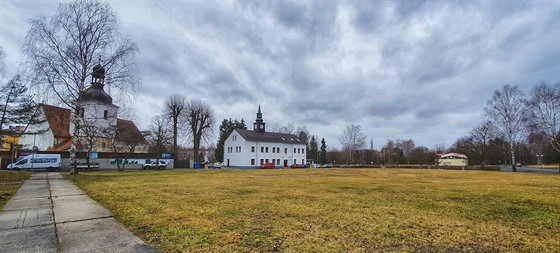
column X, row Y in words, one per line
column 259, row 125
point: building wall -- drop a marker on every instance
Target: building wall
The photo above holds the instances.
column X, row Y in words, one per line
column 452, row 162
column 241, row 153
column 7, row 140
column 42, row 140
column 94, row 115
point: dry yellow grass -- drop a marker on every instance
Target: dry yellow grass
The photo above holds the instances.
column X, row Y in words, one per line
column 334, row 210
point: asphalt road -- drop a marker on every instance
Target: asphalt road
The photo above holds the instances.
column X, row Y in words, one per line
column 526, row 169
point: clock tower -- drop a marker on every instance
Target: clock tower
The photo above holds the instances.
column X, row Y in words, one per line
column 259, row 125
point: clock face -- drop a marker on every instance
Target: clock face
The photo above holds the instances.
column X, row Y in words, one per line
column 261, row 126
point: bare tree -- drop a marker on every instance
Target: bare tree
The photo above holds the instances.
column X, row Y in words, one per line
column 544, row 112
column 476, row 145
column 200, row 120
column 507, row 112
column 125, row 139
column 174, row 106
column 352, row 139
column 480, row 137
column 159, row 136
column 62, row 51
column 439, row 148
column 406, row 146
column 387, row 151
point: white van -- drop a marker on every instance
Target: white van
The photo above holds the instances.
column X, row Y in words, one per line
column 37, row 162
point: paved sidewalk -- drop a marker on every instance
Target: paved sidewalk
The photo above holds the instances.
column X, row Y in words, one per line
column 50, row 214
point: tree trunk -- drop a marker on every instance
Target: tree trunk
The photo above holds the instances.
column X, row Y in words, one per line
column 513, row 159
column 74, row 139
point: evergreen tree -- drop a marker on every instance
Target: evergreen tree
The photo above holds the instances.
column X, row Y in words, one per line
column 323, row 155
column 17, row 107
column 313, row 150
column 226, row 128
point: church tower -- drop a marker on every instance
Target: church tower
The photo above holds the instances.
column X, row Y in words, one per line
column 259, row 125
column 96, row 106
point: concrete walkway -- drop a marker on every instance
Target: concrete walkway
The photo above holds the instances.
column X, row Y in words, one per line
column 50, row 214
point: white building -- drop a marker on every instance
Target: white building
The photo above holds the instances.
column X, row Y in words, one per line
column 98, row 120
column 251, row 149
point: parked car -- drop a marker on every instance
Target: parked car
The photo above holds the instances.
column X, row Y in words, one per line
column 518, row 165
column 328, row 165
column 215, row 166
column 153, row 165
column 268, row 166
column 299, row 165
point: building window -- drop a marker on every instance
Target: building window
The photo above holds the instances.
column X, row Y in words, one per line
column 286, row 151
column 266, row 149
column 295, row 162
column 239, row 149
column 252, row 161
column 262, row 161
column 294, row 150
column 266, row 160
column 252, row 149
column 262, row 149
column 277, row 161
column 105, row 114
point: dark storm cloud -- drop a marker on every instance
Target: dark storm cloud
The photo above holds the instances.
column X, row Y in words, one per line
column 401, row 69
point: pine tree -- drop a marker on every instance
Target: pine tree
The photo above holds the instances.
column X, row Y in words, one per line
column 323, row 157
column 226, row 128
column 18, row 108
column 313, row 149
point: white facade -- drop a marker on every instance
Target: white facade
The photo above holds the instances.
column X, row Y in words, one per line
column 99, row 116
column 244, row 149
column 37, row 138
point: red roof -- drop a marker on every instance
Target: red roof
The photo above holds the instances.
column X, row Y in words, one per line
column 58, row 119
column 59, row 123
column 128, row 132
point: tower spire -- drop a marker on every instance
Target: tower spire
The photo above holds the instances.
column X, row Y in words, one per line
column 259, row 125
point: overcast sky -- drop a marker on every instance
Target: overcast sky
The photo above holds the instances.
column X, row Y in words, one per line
column 420, row 70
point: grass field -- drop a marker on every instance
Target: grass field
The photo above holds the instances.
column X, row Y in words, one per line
column 10, row 184
column 334, row 210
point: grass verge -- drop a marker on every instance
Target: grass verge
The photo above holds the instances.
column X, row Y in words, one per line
column 10, row 182
column 333, row 210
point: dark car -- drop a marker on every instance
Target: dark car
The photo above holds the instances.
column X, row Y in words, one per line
column 267, row 166
column 298, row 166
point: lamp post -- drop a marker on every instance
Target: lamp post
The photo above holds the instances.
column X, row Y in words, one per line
column 539, row 159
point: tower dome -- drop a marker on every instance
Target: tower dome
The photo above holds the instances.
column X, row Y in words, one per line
column 98, row 72
column 95, row 92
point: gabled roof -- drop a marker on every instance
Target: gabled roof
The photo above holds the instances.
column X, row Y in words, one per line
column 58, row 119
column 128, row 132
column 59, row 122
column 249, row 135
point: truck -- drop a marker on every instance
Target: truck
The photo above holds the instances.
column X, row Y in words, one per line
column 37, row 162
